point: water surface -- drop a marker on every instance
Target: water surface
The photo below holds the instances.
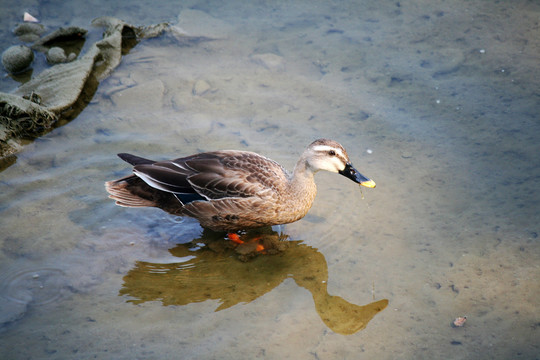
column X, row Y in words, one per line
column 436, row 101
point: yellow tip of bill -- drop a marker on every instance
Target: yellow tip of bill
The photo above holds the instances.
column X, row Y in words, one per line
column 369, row 184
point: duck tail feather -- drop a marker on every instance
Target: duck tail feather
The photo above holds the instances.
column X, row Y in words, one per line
column 118, row 191
column 134, row 159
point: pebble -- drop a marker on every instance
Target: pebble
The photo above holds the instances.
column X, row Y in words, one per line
column 56, row 55
column 459, row 321
column 29, row 32
column 17, row 58
column 200, row 88
column 270, row 61
column 406, row 154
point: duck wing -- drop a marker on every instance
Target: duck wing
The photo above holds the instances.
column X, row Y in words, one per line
column 213, row 175
column 233, row 174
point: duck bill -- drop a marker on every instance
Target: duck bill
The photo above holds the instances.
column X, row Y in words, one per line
column 350, row 172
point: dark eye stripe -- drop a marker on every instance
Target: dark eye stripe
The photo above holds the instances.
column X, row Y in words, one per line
column 330, row 151
column 345, row 161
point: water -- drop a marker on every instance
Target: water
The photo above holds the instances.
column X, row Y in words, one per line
column 443, row 95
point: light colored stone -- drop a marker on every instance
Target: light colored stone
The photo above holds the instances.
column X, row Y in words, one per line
column 201, row 87
column 269, row 61
column 406, row 154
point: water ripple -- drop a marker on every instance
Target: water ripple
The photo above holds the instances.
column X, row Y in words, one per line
column 34, row 286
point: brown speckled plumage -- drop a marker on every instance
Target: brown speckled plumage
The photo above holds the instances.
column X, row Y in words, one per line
column 231, row 190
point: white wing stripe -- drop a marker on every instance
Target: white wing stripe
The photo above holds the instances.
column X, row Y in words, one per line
column 151, row 181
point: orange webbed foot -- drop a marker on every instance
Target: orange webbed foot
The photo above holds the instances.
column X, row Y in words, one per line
column 235, row 238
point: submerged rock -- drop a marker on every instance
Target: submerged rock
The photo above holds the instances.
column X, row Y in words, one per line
column 56, row 55
column 11, row 312
column 444, row 61
column 29, row 32
column 63, row 89
column 269, row 61
column 201, row 87
column 17, row 58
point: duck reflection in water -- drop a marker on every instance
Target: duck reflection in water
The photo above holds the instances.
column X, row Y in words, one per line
column 213, row 272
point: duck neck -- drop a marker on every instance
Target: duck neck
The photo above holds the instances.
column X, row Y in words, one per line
column 302, row 184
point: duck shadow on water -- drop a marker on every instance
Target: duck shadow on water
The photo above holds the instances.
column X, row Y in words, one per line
column 209, row 269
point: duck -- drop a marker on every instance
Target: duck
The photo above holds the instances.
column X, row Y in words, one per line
column 232, row 190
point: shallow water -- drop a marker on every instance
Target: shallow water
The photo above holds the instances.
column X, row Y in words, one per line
column 443, row 95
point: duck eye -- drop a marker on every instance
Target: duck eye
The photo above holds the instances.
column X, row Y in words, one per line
column 331, row 153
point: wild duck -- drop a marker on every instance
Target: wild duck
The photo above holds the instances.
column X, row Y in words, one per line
column 232, row 190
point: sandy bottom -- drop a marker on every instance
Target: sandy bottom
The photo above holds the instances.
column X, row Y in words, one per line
column 435, row 101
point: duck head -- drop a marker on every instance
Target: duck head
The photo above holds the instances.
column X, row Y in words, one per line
column 329, row 155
